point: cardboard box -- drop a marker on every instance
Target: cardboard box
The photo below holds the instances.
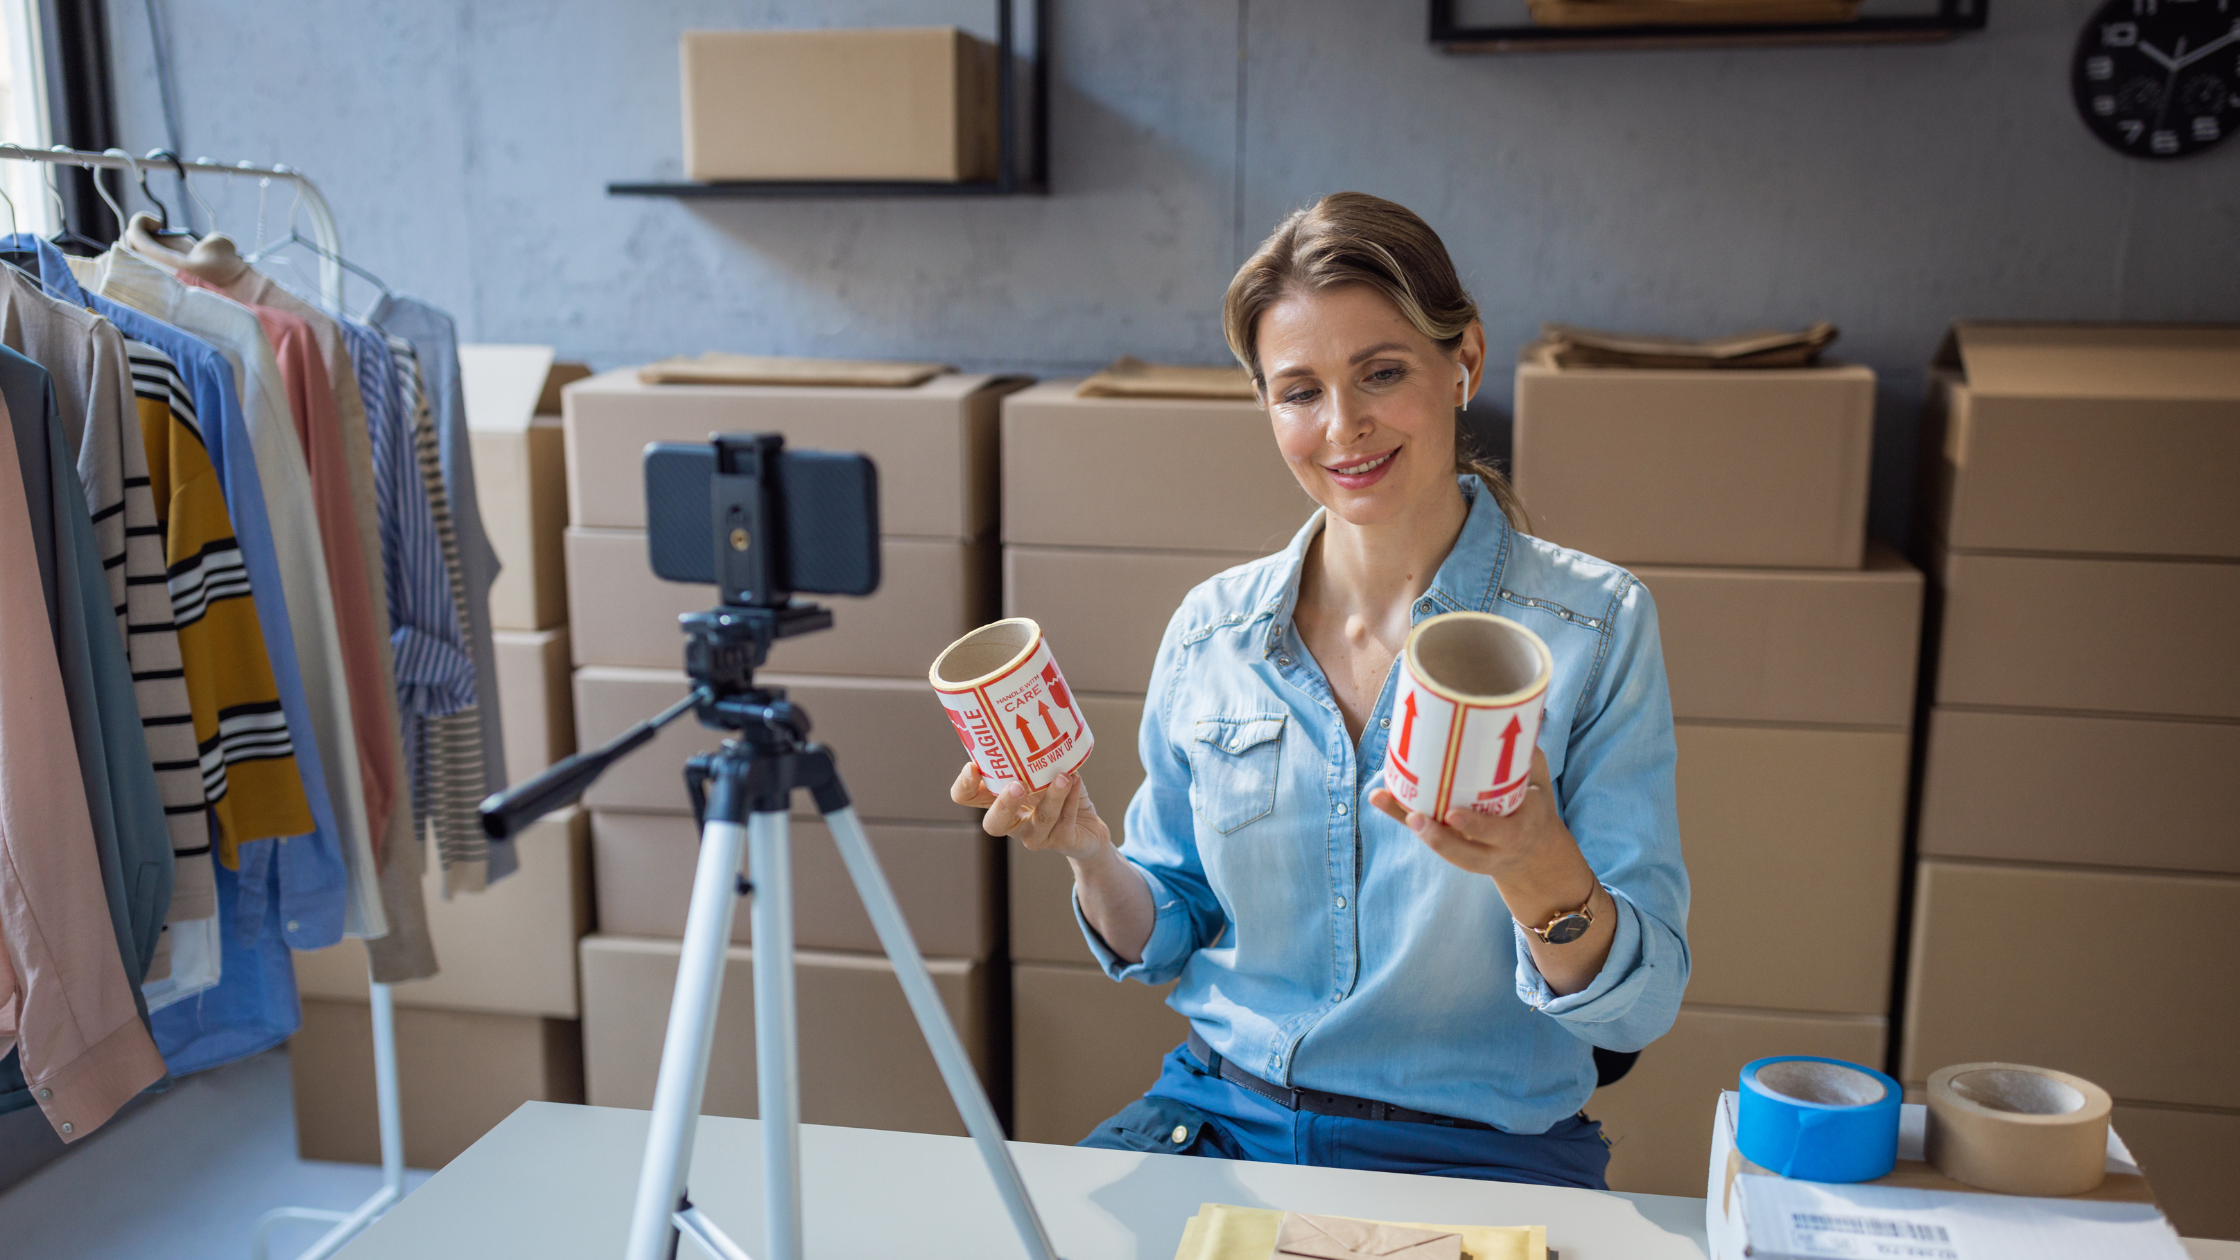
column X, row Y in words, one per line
column 1839, row 646
column 1043, row 928
column 2095, row 791
column 896, row 749
column 864, row 1062
column 1104, row 612
column 2193, row 1158
column 1083, row 1048
column 892, row 104
column 1157, row 473
column 458, row 1074
column 534, row 707
column 2124, row 979
column 1647, row 466
column 2110, row 439
column 935, row 443
column 1915, row 1210
column 1795, row 840
column 1658, row 1119
column 510, row 949
column 520, row 475
column 2114, row 636
column 947, row 879
column 932, row 591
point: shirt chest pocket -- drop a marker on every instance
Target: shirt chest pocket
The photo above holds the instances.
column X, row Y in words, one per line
column 1233, row 765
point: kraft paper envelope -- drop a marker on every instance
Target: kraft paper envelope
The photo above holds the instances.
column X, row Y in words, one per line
column 1344, row 1238
column 1222, row 1231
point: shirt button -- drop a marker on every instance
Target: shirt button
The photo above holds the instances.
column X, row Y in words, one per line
column 45, row 1094
column 292, row 925
column 1283, row 660
column 1341, row 809
column 67, row 1127
column 1341, row 903
column 1180, row 1135
column 1384, row 723
column 1425, row 606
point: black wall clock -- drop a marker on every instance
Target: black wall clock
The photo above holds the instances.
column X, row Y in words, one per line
column 2159, row 78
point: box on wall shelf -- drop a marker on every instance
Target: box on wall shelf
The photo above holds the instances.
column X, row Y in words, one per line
column 520, row 475
column 1103, row 612
column 935, row 443
column 1658, row 1119
column 1837, row 646
column 864, row 1062
column 906, row 103
column 1795, row 842
column 932, row 591
column 1083, row 1048
column 2069, row 632
column 1760, row 467
column 946, row 878
column 1151, row 473
column 2121, row 977
column 534, row 704
column 458, row 1074
column 510, row 949
column 2074, row 788
column 2110, row 439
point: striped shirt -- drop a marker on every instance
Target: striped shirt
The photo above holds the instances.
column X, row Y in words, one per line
column 246, row 758
column 448, row 781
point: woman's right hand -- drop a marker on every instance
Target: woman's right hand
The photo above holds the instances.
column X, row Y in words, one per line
column 1058, row 819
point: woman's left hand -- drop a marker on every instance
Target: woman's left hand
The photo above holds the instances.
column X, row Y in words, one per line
column 1514, row 847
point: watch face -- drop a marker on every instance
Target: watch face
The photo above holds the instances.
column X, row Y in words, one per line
column 1567, row 929
column 2159, row 78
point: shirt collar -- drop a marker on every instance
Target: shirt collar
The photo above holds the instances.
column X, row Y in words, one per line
column 1467, row 580
column 54, row 269
column 136, row 282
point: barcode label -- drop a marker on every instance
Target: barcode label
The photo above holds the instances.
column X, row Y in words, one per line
column 1869, row 1238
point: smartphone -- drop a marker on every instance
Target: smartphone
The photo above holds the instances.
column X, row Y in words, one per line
column 824, row 510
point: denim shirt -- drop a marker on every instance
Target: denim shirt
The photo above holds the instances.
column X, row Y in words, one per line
column 1320, row 944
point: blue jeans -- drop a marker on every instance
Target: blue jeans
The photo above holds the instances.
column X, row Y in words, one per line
column 1212, row 1117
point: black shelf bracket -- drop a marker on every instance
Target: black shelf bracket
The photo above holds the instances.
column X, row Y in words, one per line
column 1010, row 179
column 1950, row 18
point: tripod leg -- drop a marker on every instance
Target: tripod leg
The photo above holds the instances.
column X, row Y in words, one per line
column 933, row 1021
column 692, row 1029
column 777, row 1074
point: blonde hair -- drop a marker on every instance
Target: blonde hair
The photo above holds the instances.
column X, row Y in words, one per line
column 1354, row 238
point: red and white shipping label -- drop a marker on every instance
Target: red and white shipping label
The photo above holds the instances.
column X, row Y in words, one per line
column 1442, row 754
column 1022, row 725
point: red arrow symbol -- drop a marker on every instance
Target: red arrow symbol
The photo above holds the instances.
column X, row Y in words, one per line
column 1407, row 725
column 1046, row 719
column 1027, row 732
column 1508, row 749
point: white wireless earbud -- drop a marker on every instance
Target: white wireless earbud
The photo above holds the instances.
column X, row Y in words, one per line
column 1466, row 387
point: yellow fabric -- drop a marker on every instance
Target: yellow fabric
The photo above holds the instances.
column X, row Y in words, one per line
column 1223, row 1232
column 248, row 764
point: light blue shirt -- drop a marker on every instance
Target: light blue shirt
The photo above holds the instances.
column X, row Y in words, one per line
column 1321, row 945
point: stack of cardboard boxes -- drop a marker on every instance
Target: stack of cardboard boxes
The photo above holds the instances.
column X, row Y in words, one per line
column 2077, row 900
column 1739, row 499
column 1112, row 510
column 496, row 1027
column 863, row 682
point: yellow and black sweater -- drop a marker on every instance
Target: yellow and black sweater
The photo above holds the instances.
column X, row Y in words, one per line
column 248, row 762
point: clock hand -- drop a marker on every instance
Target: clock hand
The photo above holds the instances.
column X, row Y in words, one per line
column 2159, row 57
column 2203, row 51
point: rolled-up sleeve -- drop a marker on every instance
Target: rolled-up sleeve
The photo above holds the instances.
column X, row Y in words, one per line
column 1160, row 842
column 1617, row 796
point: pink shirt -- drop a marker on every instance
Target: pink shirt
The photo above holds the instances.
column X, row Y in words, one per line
column 64, row 999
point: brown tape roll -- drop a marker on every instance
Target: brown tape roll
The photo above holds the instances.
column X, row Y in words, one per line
column 2018, row 1130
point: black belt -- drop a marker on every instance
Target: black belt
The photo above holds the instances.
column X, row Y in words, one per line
column 1318, row 1101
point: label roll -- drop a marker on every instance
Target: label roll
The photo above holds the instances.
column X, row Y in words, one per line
column 2018, row 1130
column 1818, row 1119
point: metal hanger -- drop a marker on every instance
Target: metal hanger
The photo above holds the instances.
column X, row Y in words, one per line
column 296, row 237
column 164, row 227
column 163, row 212
column 68, row 236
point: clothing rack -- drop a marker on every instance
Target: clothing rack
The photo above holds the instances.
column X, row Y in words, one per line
column 347, row 1225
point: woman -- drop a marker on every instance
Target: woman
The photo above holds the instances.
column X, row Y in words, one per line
column 1369, row 987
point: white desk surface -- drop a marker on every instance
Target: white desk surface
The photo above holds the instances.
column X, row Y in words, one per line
column 555, row 1182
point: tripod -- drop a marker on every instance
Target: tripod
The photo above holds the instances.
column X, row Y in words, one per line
column 741, row 794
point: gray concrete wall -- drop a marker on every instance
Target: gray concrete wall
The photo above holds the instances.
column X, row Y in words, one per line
column 466, row 145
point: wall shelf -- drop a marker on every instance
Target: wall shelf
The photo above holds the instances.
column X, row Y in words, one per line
column 1949, row 19
column 1010, row 180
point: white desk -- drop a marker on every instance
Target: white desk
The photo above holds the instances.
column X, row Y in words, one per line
column 554, row 1182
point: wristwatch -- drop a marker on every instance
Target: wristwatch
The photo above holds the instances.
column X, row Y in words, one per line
column 1567, row 926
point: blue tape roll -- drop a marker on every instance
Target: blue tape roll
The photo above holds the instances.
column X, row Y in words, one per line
column 1818, row 1119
